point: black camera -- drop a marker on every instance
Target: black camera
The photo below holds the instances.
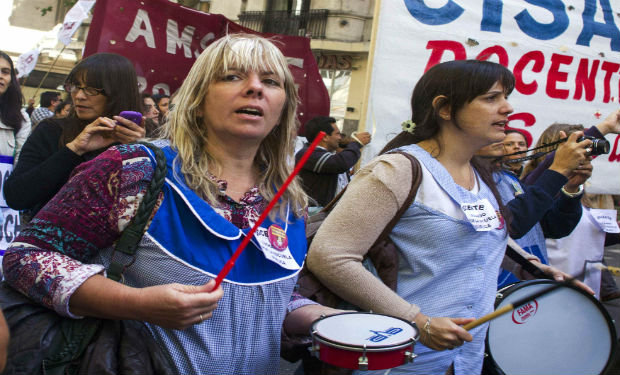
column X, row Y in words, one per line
column 599, row 146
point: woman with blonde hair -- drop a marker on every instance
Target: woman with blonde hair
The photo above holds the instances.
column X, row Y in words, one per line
column 227, row 145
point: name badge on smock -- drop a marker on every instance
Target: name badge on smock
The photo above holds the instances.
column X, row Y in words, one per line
column 606, row 219
column 274, row 245
column 481, row 215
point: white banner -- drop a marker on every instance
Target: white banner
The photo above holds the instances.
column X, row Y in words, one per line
column 73, row 20
column 9, row 218
column 9, row 228
column 565, row 57
column 26, row 62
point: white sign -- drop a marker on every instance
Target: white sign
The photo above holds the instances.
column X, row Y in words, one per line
column 607, row 220
column 481, row 215
column 564, row 54
column 9, row 228
column 73, row 20
column 9, row 218
column 26, row 62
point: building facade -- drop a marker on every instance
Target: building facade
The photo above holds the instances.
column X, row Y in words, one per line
column 36, row 22
column 340, row 32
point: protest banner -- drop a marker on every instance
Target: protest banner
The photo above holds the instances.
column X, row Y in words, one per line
column 26, row 62
column 9, row 218
column 565, row 57
column 164, row 39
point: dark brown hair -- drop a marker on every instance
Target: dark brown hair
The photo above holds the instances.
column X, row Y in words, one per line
column 458, row 82
column 12, row 100
column 114, row 74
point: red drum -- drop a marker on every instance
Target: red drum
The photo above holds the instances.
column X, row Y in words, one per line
column 364, row 341
column 565, row 332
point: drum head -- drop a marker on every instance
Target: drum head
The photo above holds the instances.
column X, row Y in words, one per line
column 564, row 332
column 359, row 329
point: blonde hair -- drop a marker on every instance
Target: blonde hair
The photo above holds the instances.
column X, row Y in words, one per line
column 550, row 135
column 185, row 130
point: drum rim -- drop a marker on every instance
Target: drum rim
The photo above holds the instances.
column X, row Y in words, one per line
column 520, row 284
column 360, row 348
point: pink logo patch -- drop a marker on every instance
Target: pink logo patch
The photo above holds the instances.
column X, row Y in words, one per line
column 277, row 237
column 501, row 220
column 522, row 313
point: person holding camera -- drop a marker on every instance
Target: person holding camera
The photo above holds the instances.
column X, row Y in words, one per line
column 580, row 251
column 610, row 125
column 545, row 209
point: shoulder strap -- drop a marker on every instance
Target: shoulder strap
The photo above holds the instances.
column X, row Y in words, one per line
column 131, row 236
column 416, row 179
column 525, row 264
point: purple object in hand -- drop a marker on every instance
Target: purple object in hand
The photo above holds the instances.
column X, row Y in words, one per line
column 131, row 116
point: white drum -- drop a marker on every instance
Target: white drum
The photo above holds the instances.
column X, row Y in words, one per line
column 565, row 332
column 363, row 341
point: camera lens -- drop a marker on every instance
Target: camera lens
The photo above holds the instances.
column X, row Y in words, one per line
column 600, row 147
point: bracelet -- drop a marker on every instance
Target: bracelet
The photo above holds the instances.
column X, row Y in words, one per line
column 572, row 195
column 427, row 326
column 356, row 139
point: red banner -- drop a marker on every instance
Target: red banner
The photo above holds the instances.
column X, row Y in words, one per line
column 163, row 40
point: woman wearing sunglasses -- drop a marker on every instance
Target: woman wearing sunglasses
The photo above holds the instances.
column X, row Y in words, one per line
column 101, row 86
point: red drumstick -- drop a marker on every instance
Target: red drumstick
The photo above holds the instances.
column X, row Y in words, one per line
column 231, row 262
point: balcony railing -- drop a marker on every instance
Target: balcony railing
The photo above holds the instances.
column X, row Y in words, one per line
column 311, row 23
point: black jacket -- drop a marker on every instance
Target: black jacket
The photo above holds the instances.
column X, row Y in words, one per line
column 320, row 173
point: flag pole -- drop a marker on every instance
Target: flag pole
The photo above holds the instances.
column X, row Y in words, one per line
column 48, row 71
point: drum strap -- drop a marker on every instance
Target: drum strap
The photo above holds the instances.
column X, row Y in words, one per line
column 526, row 264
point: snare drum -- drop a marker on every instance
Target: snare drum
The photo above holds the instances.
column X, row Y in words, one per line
column 363, row 341
column 564, row 332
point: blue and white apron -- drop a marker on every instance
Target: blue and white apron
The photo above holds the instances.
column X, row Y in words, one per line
column 188, row 242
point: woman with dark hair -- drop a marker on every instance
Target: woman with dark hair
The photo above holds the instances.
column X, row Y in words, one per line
column 451, row 240
column 63, row 109
column 163, row 106
column 101, row 86
column 14, row 122
column 151, row 114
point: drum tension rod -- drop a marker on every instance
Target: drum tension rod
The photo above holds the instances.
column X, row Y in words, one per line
column 363, row 361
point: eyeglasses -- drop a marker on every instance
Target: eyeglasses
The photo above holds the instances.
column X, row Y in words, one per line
column 89, row 91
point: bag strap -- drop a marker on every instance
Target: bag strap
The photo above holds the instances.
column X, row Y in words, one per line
column 526, row 264
column 131, row 236
column 416, row 179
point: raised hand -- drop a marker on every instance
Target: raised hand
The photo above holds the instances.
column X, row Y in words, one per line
column 103, row 132
column 570, row 154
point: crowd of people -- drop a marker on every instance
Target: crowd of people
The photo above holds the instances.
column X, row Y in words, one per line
column 228, row 136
